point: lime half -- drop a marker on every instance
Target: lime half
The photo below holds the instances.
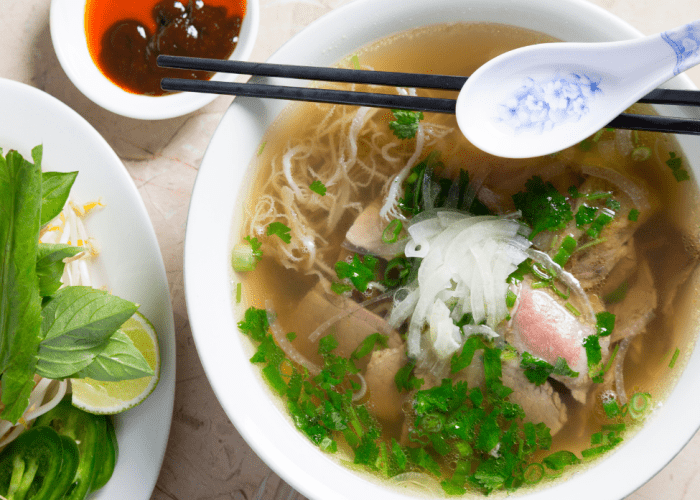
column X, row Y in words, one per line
column 95, row 396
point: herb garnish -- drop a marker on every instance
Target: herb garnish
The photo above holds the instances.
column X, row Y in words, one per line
column 405, row 123
column 675, row 164
column 542, row 206
column 359, row 271
column 318, row 187
column 280, row 230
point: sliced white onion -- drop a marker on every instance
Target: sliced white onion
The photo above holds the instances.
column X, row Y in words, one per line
column 352, row 308
column 636, row 193
column 356, row 396
column 285, row 344
column 467, row 262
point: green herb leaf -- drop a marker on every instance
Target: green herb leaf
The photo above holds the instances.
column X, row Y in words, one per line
column 633, row 215
column 280, row 230
column 585, row 215
column 77, row 322
column 542, row 206
column 594, row 355
column 405, row 124
column 119, row 359
column 368, row 344
column 55, row 188
column 20, row 302
column 605, row 323
column 50, row 265
column 405, row 380
column 675, row 164
column 318, row 187
column 254, row 324
column 360, row 271
column 535, row 369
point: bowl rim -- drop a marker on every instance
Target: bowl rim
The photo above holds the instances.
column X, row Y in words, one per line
column 67, row 27
column 290, row 454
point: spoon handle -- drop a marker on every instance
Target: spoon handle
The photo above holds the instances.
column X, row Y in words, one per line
column 685, row 42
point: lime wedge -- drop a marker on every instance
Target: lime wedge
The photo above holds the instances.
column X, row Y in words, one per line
column 108, row 398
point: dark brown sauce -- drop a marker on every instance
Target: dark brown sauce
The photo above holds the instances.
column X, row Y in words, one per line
column 125, row 37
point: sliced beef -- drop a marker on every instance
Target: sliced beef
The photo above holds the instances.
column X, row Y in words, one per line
column 365, row 234
column 592, row 266
column 385, row 401
column 542, row 326
column 317, row 307
column 636, row 310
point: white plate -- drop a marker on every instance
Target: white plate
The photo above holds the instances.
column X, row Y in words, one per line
column 130, row 263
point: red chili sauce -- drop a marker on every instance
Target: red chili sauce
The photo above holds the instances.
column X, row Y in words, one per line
column 125, row 37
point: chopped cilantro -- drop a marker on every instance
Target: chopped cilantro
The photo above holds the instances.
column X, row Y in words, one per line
column 605, row 323
column 542, row 206
column 318, row 187
column 360, row 271
column 585, row 215
column 280, row 230
column 633, row 215
column 675, row 164
column 405, row 380
column 405, row 124
column 291, row 336
column 340, row 288
column 595, row 357
column 368, row 345
column 538, row 370
column 612, row 204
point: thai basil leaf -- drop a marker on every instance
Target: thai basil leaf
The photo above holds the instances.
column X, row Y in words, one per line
column 50, row 265
column 55, row 188
column 20, row 303
column 77, row 321
column 119, row 360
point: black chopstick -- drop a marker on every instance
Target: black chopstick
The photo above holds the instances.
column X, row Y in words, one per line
column 388, row 78
column 392, row 101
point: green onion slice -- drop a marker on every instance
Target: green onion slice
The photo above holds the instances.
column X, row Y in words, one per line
column 392, row 231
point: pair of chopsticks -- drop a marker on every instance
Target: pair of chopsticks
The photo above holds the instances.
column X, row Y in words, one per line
column 410, row 80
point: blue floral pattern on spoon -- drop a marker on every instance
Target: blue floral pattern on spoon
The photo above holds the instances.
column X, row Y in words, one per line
column 539, row 106
column 685, row 42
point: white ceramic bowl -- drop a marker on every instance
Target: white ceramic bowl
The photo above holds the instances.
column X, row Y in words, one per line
column 67, row 21
column 221, row 187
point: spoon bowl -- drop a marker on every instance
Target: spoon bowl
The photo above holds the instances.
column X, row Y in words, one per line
column 540, row 99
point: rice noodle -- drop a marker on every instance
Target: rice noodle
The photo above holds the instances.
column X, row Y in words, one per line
column 284, row 344
column 619, row 377
column 392, row 198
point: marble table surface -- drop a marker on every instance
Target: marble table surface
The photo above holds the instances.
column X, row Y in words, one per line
column 206, row 458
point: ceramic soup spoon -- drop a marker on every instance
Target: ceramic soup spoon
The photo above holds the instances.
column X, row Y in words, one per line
column 540, row 99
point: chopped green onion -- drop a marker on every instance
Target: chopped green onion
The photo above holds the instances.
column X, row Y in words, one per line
column 245, row 256
column 392, row 231
column 611, row 408
column 510, row 299
column 573, row 309
column 598, row 135
column 260, row 149
column 641, row 153
column 355, row 61
column 674, row 358
column 585, row 145
column 239, row 292
column 638, row 404
column 612, row 357
column 618, row 294
column 591, row 244
column 534, row 473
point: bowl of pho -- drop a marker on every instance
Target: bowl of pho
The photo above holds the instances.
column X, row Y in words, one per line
column 384, row 311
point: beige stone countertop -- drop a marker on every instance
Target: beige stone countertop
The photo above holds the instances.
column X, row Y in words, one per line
column 206, row 458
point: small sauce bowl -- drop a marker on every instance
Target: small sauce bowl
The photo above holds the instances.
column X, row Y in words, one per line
column 67, row 22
